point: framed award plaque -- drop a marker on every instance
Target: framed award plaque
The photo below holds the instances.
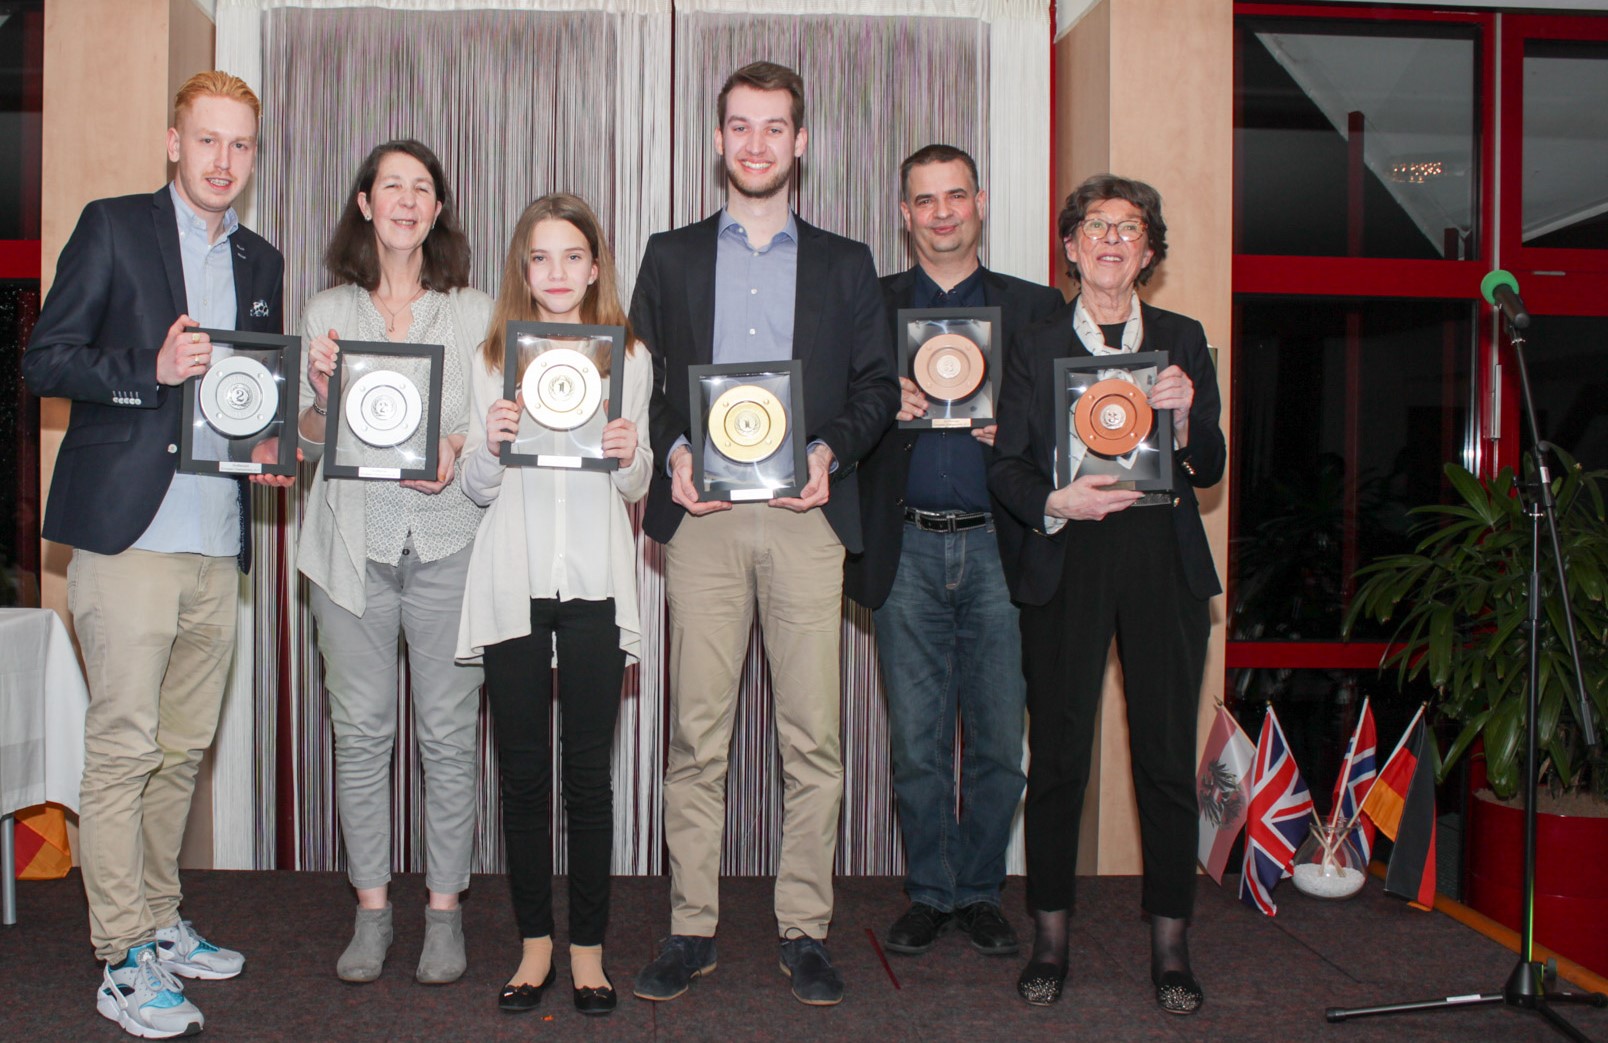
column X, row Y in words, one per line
column 953, row 356
column 747, row 435
column 563, row 370
column 1105, row 425
column 384, row 411
column 245, row 399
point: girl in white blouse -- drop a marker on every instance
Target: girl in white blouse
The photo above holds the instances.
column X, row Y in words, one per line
column 554, row 567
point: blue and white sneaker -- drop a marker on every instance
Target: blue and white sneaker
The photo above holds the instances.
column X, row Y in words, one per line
column 144, row 999
column 187, row 954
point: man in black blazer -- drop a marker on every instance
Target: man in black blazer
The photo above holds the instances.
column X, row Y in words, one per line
column 933, row 569
column 756, row 284
column 153, row 580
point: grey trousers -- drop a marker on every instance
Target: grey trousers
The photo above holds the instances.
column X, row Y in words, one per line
column 420, row 601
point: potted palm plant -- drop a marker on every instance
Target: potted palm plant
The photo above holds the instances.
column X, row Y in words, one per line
column 1457, row 605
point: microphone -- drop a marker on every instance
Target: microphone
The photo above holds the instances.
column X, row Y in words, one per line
column 1501, row 291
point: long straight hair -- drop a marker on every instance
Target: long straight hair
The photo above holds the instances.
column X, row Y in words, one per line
column 515, row 302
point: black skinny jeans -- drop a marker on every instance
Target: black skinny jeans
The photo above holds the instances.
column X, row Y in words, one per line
column 519, row 686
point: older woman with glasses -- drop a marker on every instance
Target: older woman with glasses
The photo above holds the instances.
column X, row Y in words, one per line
column 1103, row 560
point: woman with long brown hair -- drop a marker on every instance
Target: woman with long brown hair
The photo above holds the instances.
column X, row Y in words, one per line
column 554, row 567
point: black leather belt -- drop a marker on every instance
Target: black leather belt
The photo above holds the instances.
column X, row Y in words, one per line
column 945, row 521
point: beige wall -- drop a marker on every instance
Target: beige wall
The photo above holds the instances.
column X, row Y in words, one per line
column 110, row 72
column 1144, row 88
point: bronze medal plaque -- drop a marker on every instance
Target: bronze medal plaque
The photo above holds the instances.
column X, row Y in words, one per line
column 747, row 423
column 949, row 367
column 1113, row 417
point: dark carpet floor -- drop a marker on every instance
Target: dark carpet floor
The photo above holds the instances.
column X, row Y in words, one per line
column 1265, row 979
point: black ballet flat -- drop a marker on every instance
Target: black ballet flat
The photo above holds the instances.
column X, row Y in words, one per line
column 1040, row 983
column 1177, row 992
column 595, row 1000
column 517, row 998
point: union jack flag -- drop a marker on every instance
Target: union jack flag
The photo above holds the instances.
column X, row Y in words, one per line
column 1281, row 808
column 1356, row 779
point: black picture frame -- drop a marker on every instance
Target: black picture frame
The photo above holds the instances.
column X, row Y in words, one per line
column 204, row 449
column 417, row 457
column 781, row 474
column 1148, row 468
column 587, row 454
column 983, row 327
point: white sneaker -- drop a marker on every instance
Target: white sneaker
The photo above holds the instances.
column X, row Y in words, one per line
column 187, row 954
column 144, row 999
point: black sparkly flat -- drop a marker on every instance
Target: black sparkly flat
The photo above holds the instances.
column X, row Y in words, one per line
column 517, row 998
column 1040, row 983
column 595, row 1000
column 1177, row 992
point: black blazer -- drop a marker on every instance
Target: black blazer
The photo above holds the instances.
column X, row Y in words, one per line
column 840, row 333
column 119, row 286
column 868, row 577
column 1022, row 476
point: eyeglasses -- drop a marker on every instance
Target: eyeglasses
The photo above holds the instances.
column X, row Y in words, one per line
column 1097, row 227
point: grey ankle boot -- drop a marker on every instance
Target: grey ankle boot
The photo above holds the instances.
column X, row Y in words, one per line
column 365, row 954
column 442, row 960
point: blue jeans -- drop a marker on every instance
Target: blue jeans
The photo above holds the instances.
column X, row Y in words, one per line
column 948, row 640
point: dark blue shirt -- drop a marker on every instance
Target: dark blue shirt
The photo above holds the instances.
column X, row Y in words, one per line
column 947, row 469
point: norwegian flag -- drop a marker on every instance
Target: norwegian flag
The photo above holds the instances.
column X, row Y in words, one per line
column 1281, row 807
column 1356, row 779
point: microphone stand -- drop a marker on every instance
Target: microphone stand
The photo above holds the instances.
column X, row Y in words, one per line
column 1526, row 987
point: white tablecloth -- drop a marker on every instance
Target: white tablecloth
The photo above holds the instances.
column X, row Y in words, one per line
column 42, row 702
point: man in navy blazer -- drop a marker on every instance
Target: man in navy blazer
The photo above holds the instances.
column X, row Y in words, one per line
column 933, row 570
column 756, row 284
column 152, row 584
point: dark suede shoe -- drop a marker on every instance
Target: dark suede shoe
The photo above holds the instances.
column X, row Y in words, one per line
column 682, row 957
column 918, row 930
column 990, row 933
column 815, row 981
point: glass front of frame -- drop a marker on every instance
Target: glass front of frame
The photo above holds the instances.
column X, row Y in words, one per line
column 564, row 371
column 240, row 415
column 1105, row 424
column 952, row 356
column 384, row 411
column 747, row 442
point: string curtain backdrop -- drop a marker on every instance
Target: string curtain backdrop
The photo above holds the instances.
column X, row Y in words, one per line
column 510, row 95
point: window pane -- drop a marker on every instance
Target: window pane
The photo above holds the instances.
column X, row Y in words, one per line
column 1345, row 412
column 1568, row 360
column 1565, row 144
column 21, row 51
column 19, row 463
column 1404, row 96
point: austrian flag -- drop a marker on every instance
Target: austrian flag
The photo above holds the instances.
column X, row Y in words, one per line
column 1281, row 808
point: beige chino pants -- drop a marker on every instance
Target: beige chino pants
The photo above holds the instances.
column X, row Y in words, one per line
column 158, row 636
column 718, row 569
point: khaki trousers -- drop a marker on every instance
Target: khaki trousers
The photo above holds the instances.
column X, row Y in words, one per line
column 718, row 569
column 158, row 635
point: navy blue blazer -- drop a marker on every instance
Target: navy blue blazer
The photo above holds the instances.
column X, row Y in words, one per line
column 119, row 286
column 1022, row 478
column 868, row 577
column 840, row 333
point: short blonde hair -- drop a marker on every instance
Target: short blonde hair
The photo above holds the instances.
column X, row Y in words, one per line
column 215, row 83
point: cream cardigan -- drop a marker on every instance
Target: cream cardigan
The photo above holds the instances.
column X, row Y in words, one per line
column 496, row 598
column 333, row 548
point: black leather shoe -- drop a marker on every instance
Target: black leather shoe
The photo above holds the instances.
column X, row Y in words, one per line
column 1177, row 992
column 990, row 933
column 516, row 998
column 595, row 1000
column 1040, row 983
column 918, row 930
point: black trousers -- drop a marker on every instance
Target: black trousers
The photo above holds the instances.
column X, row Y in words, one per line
column 1122, row 577
column 519, row 686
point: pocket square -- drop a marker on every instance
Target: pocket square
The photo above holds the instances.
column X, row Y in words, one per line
column 259, row 309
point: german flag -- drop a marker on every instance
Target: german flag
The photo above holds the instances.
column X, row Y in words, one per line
column 1402, row 804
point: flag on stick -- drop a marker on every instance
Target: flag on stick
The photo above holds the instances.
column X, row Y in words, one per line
column 1402, row 804
column 1280, row 809
column 1356, row 779
column 1223, row 786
